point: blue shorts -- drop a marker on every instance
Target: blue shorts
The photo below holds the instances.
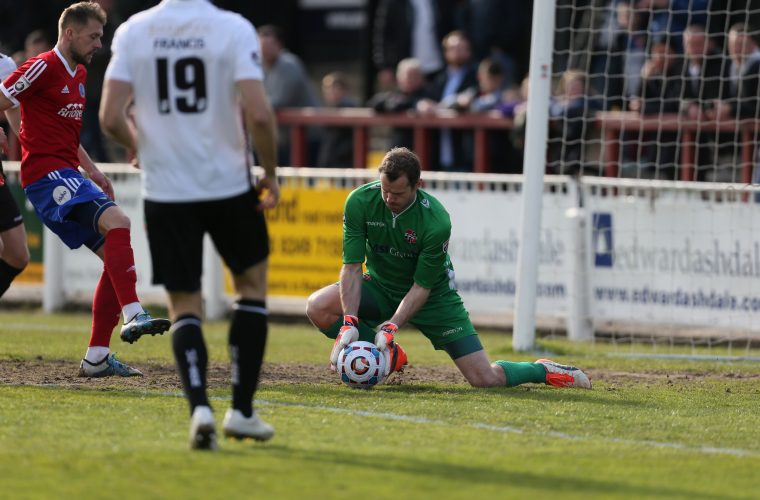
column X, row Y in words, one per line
column 60, row 192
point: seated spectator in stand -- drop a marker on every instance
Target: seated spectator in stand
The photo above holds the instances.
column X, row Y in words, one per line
column 410, row 90
column 744, row 91
column 706, row 79
column 626, row 55
column 486, row 98
column 454, row 147
column 567, row 124
column 337, row 148
column 288, row 86
column 661, row 92
column 35, row 44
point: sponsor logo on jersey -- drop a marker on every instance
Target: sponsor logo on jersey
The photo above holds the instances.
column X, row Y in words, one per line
column 375, row 223
column 72, row 110
column 410, row 236
column 446, row 246
column 425, row 203
column 61, row 195
column 81, row 89
column 65, row 89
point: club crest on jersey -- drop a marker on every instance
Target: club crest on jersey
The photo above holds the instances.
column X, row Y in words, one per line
column 410, row 236
column 81, row 89
column 425, row 203
column 61, row 195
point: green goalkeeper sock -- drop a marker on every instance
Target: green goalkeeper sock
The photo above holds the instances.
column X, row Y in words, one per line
column 366, row 333
column 521, row 373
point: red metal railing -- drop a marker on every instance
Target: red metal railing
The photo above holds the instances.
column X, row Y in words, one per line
column 362, row 119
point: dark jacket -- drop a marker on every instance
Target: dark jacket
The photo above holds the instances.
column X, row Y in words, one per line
column 462, row 140
column 710, row 84
column 395, row 101
column 392, row 30
column 745, row 97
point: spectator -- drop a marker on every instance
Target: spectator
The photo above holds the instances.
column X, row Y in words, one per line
column 410, row 90
column 567, row 127
column 628, row 55
column 744, row 97
column 661, row 92
column 706, row 80
column 403, row 29
column 455, row 146
column 287, row 85
column 337, row 148
column 35, row 44
column 745, row 74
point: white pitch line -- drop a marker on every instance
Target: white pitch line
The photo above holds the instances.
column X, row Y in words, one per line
column 707, row 450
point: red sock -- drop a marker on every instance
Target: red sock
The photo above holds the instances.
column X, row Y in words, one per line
column 120, row 264
column 105, row 312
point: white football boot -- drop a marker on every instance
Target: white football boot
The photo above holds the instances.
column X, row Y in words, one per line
column 237, row 426
column 202, row 429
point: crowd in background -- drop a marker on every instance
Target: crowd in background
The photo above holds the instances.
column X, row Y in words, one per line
column 651, row 57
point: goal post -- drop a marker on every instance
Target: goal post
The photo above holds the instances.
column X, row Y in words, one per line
column 542, row 37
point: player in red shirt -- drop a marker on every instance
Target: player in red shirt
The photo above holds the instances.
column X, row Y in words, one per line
column 49, row 89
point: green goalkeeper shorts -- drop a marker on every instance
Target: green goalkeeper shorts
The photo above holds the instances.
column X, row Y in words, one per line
column 443, row 319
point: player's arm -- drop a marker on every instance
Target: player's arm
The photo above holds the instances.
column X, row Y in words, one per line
column 431, row 262
column 94, row 173
column 260, row 121
column 13, row 115
column 354, row 241
column 351, row 288
column 5, row 103
column 117, row 95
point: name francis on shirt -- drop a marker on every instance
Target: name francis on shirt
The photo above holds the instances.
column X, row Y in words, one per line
column 178, row 43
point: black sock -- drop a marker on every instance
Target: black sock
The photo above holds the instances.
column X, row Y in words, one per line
column 7, row 274
column 192, row 358
column 247, row 341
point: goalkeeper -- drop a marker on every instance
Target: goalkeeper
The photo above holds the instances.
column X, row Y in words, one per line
column 403, row 233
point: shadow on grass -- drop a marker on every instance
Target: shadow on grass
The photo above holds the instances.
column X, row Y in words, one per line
column 435, row 470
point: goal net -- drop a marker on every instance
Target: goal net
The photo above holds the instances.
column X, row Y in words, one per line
column 655, row 105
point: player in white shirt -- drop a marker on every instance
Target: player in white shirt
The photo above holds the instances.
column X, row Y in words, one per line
column 190, row 67
column 14, row 254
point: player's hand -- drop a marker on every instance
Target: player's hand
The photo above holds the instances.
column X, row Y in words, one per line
column 103, row 182
column 385, row 335
column 272, row 195
column 348, row 333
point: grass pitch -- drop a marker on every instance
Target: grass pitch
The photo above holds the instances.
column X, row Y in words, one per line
column 675, row 428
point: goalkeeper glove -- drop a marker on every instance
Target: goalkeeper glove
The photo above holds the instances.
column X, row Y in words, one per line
column 348, row 333
column 384, row 336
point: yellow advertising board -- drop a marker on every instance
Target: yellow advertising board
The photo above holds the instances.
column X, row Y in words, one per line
column 305, row 233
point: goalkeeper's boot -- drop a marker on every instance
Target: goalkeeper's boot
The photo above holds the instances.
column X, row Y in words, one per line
column 564, row 376
column 108, row 367
column 397, row 357
column 143, row 324
column 202, row 429
column 237, row 426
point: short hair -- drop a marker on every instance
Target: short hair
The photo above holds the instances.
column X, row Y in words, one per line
column 408, row 64
column 456, row 33
column 491, row 67
column 272, row 31
column 79, row 14
column 398, row 162
column 336, row 78
column 36, row 36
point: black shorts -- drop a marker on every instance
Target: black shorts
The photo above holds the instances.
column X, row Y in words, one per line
column 10, row 216
column 175, row 237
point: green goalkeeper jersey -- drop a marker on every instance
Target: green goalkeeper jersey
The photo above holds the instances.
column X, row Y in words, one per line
column 400, row 250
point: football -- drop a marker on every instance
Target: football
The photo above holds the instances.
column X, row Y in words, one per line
column 361, row 365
